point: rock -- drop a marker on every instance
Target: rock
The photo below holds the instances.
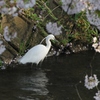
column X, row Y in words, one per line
column 24, row 38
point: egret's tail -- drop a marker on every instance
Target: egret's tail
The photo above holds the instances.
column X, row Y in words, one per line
column 19, row 59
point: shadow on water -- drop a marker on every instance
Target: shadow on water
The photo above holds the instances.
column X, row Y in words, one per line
column 59, row 78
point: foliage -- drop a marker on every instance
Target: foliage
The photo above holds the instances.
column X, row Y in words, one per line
column 21, row 48
column 74, row 27
column 78, row 28
column 85, row 30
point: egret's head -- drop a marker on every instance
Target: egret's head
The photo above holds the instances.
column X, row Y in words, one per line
column 51, row 37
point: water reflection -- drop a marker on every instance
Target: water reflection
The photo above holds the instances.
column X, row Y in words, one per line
column 24, row 85
column 35, row 83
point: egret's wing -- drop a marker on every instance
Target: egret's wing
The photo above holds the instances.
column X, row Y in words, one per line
column 35, row 54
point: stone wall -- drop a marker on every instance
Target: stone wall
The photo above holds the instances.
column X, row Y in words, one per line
column 25, row 37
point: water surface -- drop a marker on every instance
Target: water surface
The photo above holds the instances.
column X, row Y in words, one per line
column 57, row 78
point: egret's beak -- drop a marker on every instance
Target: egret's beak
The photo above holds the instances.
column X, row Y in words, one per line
column 42, row 40
column 55, row 41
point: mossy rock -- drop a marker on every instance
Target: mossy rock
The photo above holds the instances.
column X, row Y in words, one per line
column 24, row 38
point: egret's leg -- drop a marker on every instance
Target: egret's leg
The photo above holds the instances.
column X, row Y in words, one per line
column 31, row 65
column 40, row 64
column 35, row 66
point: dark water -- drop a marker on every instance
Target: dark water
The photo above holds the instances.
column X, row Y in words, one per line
column 57, row 78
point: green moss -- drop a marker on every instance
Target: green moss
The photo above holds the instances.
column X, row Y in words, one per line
column 64, row 41
column 22, row 48
column 97, row 12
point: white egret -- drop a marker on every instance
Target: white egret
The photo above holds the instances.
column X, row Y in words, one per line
column 38, row 52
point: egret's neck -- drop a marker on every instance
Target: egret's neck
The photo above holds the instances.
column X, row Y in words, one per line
column 48, row 43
